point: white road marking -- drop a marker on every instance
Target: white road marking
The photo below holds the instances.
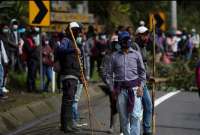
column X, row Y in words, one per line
column 165, row 97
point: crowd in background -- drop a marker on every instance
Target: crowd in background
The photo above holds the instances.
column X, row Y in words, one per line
column 22, row 49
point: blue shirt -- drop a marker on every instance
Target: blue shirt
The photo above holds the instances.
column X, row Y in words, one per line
column 65, row 46
column 127, row 67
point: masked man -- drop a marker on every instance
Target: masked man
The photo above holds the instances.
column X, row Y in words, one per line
column 70, row 74
column 129, row 78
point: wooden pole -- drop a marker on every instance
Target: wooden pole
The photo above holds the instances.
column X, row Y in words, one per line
column 85, row 84
column 154, row 85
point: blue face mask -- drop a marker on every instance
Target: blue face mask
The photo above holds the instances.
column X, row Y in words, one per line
column 23, row 30
column 117, row 47
column 79, row 40
column 125, row 44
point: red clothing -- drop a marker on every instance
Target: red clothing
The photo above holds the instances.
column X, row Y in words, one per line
column 47, row 54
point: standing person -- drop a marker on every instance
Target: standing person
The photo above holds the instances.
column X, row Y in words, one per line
column 102, row 45
column 92, row 51
column 142, row 42
column 75, row 112
column 47, row 61
column 105, row 69
column 30, row 54
column 159, row 45
column 70, row 74
column 130, row 31
column 3, row 56
column 195, row 38
column 129, row 77
column 195, row 41
column 4, row 38
column 13, row 41
column 55, row 44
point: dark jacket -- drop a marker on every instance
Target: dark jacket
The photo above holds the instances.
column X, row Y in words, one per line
column 11, row 41
column 67, row 58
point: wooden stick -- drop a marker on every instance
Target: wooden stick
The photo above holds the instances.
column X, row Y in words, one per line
column 154, row 85
column 85, row 84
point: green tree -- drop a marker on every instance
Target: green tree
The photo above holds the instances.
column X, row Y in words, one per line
column 14, row 9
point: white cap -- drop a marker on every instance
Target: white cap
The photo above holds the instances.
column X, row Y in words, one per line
column 142, row 23
column 141, row 29
column 193, row 30
column 13, row 20
column 74, row 25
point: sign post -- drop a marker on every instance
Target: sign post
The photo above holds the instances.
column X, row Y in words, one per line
column 39, row 15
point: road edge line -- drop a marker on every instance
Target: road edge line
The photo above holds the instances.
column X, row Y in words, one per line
column 165, row 97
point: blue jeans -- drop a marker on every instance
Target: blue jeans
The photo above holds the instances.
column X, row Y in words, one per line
column 147, row 105
column 1, row 79
column 47, row 71
column 75, row 113
column 130, row 123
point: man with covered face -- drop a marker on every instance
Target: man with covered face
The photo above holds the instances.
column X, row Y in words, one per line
column 70, row 74
column 13, row 42
column 129, row 78
column 142, row 45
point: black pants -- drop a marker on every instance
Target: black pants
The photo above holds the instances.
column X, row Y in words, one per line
column 113, row 108
column 58, row 82
column 69, row 90
column 32, row 68
column 98, row 60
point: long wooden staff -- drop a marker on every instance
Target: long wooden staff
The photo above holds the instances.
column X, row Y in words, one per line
column 85, row 84
column 154, row 85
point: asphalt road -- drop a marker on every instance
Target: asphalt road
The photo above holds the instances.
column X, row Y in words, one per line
column 178, row 115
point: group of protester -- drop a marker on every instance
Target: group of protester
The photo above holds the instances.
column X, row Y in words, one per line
column 121, row 58
column 122, row 68
column 21, row 54
column 122, row 62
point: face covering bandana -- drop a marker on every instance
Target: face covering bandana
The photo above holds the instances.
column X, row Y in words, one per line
column 125, row 44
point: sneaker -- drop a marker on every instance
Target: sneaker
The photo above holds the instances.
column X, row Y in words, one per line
column 5, row 90
column 121, row 134
column 76, row 128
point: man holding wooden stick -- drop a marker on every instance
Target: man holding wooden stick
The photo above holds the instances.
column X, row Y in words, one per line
column 70, row 74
